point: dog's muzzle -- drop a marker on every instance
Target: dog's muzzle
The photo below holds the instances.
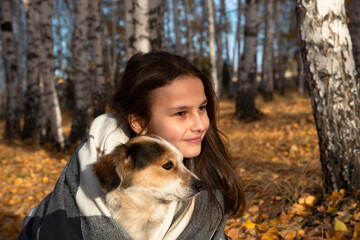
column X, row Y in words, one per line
column 198, row 185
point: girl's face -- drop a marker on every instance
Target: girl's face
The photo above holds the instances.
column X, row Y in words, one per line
column 178, row 114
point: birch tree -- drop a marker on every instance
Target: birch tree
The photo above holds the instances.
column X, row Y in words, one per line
column 268, row 55
column 82, row 109
column 227, row 49
column 220, row 29
column 278, row 63
column 12, row 128
column 236, row 50
column 47, row 68
column 212, row 50
column 137, row 26
column 129, row 28
column 300, row 76
column 156, row 24
column 202, row 31
column 189, row 42
column 354, row 10
column 334, row 90
column 177, row 27
column 32, row 94
column 246, row 90
column 141, row 26
column 96, row 38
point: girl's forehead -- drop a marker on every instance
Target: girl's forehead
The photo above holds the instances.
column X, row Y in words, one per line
column 184, row 89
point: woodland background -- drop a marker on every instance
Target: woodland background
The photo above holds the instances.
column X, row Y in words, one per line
column 61, row 60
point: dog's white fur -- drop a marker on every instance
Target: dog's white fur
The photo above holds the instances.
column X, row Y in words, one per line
column 142, row 199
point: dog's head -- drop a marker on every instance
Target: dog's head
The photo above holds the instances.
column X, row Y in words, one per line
column 147, row 163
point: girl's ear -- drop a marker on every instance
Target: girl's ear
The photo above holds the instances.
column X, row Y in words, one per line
column 137, row 124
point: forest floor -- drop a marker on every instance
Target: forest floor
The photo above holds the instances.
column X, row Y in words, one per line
column 277, row 157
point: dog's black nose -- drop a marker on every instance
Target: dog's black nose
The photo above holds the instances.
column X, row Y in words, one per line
column 198, row 184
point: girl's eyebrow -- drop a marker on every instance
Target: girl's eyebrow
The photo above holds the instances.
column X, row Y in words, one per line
column 181, row 108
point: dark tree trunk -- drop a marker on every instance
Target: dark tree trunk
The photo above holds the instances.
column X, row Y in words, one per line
column 246, row 89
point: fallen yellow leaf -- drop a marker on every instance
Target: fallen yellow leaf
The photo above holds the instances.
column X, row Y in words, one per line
column 289, row 236
column 301, row 233
column 339, row 225
column 249, row 224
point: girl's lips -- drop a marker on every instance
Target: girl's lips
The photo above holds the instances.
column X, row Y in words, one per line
column 194, row 140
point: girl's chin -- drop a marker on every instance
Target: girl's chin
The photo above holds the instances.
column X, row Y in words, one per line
column 191, row 154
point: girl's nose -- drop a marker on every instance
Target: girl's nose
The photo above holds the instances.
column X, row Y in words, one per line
column 198, row 123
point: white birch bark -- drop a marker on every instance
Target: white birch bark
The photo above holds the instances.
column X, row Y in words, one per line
column 334, row 90
column 354, row 10
column 32, row 98
column 81, row 68
column 177, row 27
column 98, row 84
column 12, row 128
column 246, row 88
column 141, row 26
column 47, row 68
column 212, row 50
column 268, row 56
column 156, row 24
column 189, row 40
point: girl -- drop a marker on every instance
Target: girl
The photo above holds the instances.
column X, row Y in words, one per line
column 163, row 94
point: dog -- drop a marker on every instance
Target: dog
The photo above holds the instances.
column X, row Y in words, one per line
column 140, row 179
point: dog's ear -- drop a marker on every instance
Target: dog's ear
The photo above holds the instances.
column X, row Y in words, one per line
column 110, row 169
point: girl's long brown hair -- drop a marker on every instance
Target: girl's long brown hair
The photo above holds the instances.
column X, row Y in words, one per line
column 146, row 72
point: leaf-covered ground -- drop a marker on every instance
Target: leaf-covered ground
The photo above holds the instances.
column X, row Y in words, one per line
column 276, row 156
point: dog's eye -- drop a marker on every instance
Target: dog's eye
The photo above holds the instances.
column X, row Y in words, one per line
column 169, row 165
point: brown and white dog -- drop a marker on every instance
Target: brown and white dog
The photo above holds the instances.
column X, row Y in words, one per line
column 140, row 179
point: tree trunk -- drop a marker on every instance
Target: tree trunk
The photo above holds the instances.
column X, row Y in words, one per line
column 47, row 68
column 129, row 28
column 354, row 10
column 141, row 26
column 177, row 27
column 268, row 57
column 279, row 68
column 212, row 53
column 220, row 29
column 189, row 41
column 334, row 90
column 96, row 31
column 246, row 90
column 167, row 31
column 202, row 34
column 301, row 80
column 82, row 81
column 236, row 51
column 228, row 61
column 32, row 94
column 156, row 24
column 12, row 128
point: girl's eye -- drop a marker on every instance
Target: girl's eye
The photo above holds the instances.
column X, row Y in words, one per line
column 169, row 165
column 202, row 108
column 180, row 114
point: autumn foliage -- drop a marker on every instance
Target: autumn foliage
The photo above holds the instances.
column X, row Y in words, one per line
column 276, row 156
